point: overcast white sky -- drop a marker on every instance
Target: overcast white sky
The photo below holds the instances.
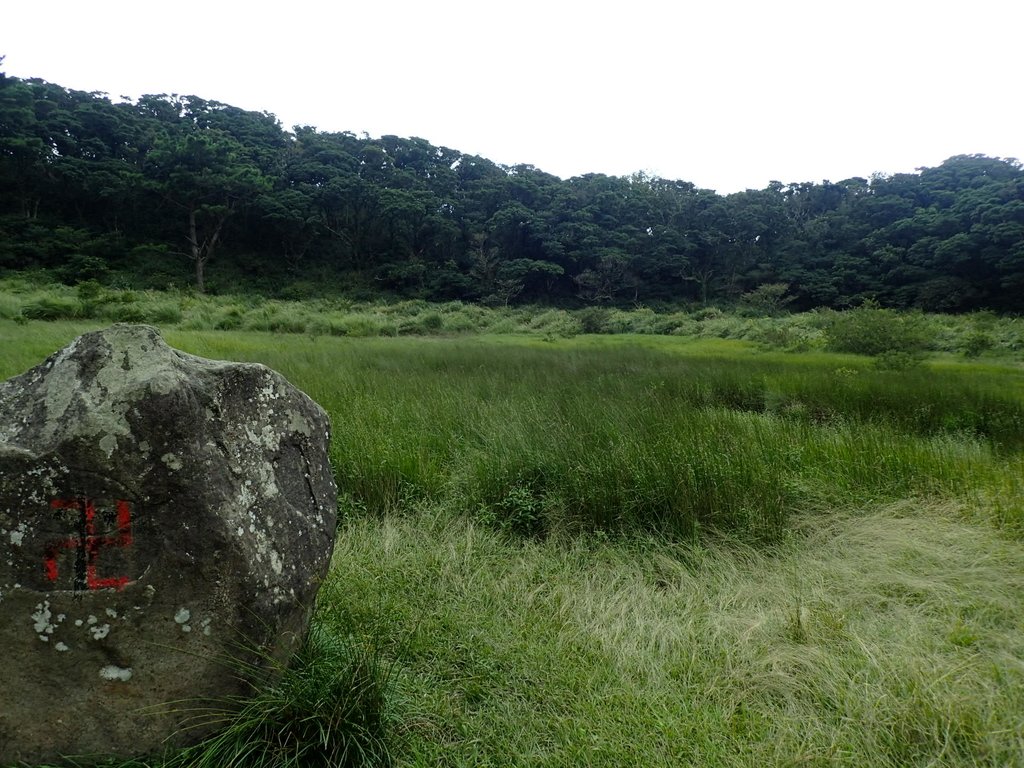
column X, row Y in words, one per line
column 728, row 94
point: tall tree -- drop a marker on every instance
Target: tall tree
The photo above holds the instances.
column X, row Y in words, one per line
column 204, row 174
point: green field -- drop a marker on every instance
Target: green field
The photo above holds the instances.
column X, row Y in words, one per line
column 563, row 549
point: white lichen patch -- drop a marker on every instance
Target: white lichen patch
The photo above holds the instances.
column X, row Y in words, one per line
column 275, row 562
column 173, row 462
column 41, row 621
column 108, row 444
column 17, row 536
column 164, row 383
column 62, row 647
column 116, row 674
column 246, row 496
column 100, row 632
column 182, row 616
column 267, row 438
column 297, row 423
column 269, row 391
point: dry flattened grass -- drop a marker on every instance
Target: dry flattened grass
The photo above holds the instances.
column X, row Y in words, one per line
column 891, row 637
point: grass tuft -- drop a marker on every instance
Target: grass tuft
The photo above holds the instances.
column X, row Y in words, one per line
column 640, row 549
column 328, row 709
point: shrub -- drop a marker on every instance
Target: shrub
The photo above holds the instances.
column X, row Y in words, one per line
column 780, row 337
column 519, row 513
column 423, row 324
column 82, row 268
column 768, row 298
column 164, row 312
column 54, row 308
column 128, row 313
column 977, row 342
column 870, row 330
column 593, row 319
column 708, row 313
column 556, row 322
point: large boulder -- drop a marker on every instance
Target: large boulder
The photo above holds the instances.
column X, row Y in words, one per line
column 165, row 522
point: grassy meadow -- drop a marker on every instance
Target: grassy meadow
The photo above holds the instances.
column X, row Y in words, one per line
column 645, row 547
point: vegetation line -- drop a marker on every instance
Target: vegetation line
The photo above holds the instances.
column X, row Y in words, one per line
column 639, row 548
column 181, row 190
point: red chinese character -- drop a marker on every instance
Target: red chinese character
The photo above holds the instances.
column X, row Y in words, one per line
column 87, row 544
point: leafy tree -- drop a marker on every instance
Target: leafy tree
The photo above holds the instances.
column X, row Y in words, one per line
column 95, row 187
column 200, row 173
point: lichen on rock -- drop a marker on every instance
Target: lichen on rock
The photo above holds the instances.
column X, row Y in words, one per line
column 160, row 514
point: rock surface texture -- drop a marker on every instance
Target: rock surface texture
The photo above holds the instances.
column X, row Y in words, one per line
column 159, row 514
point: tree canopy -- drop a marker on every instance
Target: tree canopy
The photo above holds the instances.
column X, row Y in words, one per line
column 175, row 189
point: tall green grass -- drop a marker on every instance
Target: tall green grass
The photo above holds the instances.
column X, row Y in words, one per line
column 896, row 339
column 538, row 438
column 646, row 550
column 545, row 438
column 886, row 638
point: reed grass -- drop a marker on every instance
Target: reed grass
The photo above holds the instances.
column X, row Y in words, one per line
column 653, row 550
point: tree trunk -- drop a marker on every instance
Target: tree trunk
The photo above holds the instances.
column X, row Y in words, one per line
column 202, row 251
column 198, row 257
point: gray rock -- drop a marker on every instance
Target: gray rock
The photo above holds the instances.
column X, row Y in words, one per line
column 159, row 514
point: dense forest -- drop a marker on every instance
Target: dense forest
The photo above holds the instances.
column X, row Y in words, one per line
column 180, row 190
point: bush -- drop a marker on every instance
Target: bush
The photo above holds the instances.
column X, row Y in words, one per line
column 54, row 308
column 593, row 319
column 556, row 322
column 789, row 338
column 164, row 313
column 82, row 268
column 423, row 324
column 870, row 330
column 128, row 313
column 977, row 342
column 708, row 313
column 768, row 298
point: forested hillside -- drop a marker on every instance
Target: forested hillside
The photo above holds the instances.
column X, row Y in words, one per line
column 178, row 190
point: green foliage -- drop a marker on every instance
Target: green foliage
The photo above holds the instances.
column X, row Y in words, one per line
column 174, row 189
column 731, row 556
column 886, row 636
column 768, row 298
column 791, row 334
column 54, row 308
column 899, row 359
column 593, row 319
column 898, row 338
column 680, row 437
column 327, row 709
column 81, row 267
column 977, row 342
